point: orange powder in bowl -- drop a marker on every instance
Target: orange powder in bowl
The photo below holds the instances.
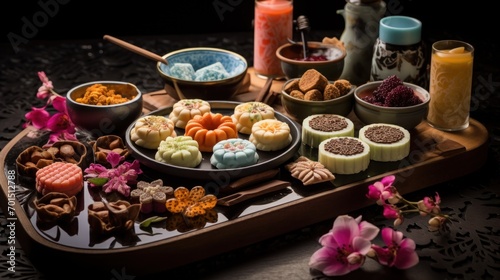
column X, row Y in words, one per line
column 99, row 94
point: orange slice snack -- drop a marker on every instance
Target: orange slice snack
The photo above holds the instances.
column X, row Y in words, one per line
column 457, row 50
column 192, row 202
column 456, row 53
column 63, row 177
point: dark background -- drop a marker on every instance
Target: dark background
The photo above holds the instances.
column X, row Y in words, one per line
column 76, row 19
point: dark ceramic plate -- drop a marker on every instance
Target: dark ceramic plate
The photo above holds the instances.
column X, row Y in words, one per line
column 206, row 171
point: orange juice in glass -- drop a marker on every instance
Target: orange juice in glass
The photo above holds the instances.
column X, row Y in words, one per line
column 450, row 85
column 273, row 25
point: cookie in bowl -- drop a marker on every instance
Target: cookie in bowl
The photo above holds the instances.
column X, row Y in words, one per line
column 313, row 94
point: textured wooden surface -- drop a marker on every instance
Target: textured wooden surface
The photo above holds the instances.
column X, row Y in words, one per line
column 441, row 156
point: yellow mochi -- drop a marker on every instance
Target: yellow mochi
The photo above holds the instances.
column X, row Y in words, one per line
column 270, row 135
column 149, row 131
column 247, row 114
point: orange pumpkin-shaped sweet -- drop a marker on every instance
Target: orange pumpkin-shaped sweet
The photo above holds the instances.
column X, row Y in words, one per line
column 210, row 128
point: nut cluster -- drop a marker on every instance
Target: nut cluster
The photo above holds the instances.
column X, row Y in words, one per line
column 313, row 86
column 106, row 144
column 34, row 157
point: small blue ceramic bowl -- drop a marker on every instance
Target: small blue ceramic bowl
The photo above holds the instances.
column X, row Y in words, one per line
column 213, row 87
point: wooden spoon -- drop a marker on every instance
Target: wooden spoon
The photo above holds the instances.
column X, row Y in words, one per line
column 135, row 49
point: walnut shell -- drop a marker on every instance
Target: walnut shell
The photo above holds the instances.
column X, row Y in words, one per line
column 31, row 159
column 55, row 207
column 62, row 151
column 118, row 216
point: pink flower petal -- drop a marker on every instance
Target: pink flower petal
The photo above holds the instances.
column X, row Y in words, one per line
column 59, row 103
column 38, row 117
column 59, row 122
column 325, row 260
column 368, row 230
column 388, row 180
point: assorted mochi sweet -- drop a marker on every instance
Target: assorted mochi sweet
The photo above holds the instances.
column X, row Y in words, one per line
column 180, row 151
column 318, row 127
column 212, row 72
column 233, row 153
column 185, row 109
column 62, row 177
column 270, row 135
column 247, row 114
column 344, row 155
column 152, row 196
column 210, row 128
column 149, row 131
column 387, row 142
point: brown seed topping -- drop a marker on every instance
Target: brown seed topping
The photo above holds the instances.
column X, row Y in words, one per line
column 344, row 146
column 327, row 123
column 384, row 134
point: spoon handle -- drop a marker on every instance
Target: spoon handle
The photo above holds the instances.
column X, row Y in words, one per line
column 135, row 49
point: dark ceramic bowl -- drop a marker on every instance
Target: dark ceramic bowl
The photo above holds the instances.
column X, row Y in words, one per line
column 219, row 89
column 99, row 120
column 407, row 117
column 290, row 56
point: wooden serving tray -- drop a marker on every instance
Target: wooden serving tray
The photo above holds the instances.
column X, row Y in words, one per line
column 435, row 157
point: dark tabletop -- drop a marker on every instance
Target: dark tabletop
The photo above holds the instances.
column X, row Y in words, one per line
column 467, row 251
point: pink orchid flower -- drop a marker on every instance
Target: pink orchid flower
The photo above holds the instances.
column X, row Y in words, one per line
column 399, row 252
column 392, row 212
column 344, row 247
column 429, row 205
column 60, row 122
column 118, row 184
column 60, row 125
column 118, row 176
column 383, row 190
column 37, row 117
column 46, row 89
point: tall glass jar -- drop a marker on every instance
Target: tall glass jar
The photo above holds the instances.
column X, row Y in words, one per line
column 360, row 33
column 273, row 26
column 399, row 51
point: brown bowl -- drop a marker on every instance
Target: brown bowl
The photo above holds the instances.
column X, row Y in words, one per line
column 293, row 66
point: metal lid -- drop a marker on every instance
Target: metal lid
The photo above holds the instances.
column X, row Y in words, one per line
column 400, row 30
